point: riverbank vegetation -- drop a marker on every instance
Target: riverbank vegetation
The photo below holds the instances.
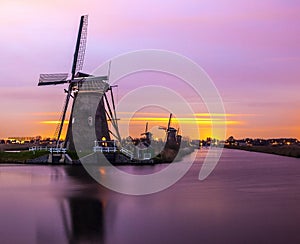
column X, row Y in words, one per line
column 20, row 157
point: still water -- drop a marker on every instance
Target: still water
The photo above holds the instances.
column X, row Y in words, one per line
column 249, row 198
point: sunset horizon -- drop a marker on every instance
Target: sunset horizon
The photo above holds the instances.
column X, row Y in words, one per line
column 253, row 61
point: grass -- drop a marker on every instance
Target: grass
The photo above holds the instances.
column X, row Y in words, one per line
column 20, row 157
column 290, row 151
column 73, row 155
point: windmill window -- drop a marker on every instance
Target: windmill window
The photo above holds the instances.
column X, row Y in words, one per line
column 90, row 120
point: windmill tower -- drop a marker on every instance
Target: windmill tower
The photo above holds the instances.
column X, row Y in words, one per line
column 87, row 92
column 173, row 139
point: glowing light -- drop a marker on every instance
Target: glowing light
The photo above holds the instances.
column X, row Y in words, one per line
column 102, row 171
column 191, row 121
column 53, row 122
column 222, row 115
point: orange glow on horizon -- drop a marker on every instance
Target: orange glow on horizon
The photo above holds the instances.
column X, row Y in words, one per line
column 53, row 122
column 202, row 122
column 222, row 115
column 191, row 121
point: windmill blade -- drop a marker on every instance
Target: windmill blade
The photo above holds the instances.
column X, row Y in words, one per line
column 169, row 123
column 53, row 79
column 63, row 116
column 162, row 128
column 80, row 46
column 60, row 119
column 146, row 129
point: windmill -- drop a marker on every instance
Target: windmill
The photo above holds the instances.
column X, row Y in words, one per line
column 169, row 124
column 173, row 137
column 93, row 88
column 148, row 136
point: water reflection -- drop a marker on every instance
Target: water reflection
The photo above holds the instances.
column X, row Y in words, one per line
column 49, row 205
column 83, row 213
column 249, row 198
column 86, row 221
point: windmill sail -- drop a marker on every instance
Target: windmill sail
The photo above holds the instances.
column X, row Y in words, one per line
column 57, row 129
column 53, row 79
column 77, row 64
column 80, row 46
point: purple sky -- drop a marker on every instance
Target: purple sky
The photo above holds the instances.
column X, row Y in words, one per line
column 250, row 49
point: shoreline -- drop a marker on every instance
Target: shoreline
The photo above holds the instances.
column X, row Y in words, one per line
column 24, row 157
column 286, row 151
column 40, row 157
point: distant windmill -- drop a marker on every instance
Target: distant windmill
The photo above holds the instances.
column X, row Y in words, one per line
column 148, row 136
column 169, row 124
column 173, row 138
column 146, row 133
column 93, row 87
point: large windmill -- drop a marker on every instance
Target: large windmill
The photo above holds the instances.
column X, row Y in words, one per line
column 91, row 89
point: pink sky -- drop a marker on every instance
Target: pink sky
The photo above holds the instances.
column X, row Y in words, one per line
column 250, row 49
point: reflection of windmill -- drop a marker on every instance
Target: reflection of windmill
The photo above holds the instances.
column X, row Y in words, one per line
column 92, row 87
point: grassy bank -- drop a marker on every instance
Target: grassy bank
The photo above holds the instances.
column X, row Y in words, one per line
column 15, row 147
column 290, row 151
column 20, row 157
